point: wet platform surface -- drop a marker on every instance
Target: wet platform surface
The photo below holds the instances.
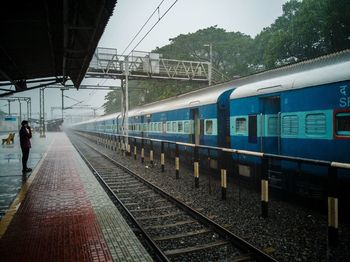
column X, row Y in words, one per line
column 11, row 166
column 65, row 215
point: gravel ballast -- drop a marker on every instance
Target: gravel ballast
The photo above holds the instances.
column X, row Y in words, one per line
column 290, row 233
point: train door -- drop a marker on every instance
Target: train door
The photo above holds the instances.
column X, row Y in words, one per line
column 141, row 126
column 196, row 126
column 223, row 116
column 270, row 140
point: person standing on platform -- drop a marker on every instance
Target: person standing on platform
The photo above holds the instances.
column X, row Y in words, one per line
column 25, row 134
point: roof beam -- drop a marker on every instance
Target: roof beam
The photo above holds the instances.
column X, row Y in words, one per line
column 20, row 85
column 50, row 36
column 31, row 88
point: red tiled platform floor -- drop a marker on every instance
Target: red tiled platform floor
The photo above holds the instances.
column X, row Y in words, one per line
column 55, row 222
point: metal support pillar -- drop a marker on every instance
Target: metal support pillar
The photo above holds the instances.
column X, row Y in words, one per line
column 151, row 154
column 162, row 157
column 62, row 90
column 177, row 162
column 28, row 115
column 135, row 149
column 210, row 66
column 127, row 100
column 42, row 112
column 211, row 63
column 20, row 112
column 332, row 207
column 223, row 169
column 9, row 106
column 264, row 187
column 142, row 151
column 196, row 167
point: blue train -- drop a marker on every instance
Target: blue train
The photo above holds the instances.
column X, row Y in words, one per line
column 300, row 110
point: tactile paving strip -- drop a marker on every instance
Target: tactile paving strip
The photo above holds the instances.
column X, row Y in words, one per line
column 55, row 222
column 122, row 242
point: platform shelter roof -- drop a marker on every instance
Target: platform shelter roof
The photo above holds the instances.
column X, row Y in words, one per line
column 49, row 39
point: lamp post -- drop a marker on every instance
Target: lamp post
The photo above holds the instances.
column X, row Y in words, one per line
column 211, row 61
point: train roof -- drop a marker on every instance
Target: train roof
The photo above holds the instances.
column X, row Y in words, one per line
column 204, row 96
column 100, row 118
column 327, row 69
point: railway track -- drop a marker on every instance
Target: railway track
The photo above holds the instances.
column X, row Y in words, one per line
column 173, row 230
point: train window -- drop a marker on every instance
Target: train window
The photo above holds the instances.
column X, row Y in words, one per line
column 180, row 127
column 290, row 125
column 241, row 125
column 315, row 124
column 342, row 124
column 272, row 125
column 187, row 127
column 174, row 127
column 145, row 127
column 160, row 127
column 208, row 127
column 168, row 126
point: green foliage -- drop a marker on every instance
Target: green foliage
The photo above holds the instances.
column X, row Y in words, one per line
column 113, row 102
column 305, row 30
column 232, row 52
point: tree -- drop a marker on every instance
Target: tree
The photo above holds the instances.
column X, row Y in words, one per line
column 232, row 51
column 306, row 29
column 113, row 102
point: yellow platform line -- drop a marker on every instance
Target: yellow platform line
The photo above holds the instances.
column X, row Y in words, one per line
column 7, row 218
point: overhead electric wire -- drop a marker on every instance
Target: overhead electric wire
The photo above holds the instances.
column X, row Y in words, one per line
column 160, row 18
column 149, row 18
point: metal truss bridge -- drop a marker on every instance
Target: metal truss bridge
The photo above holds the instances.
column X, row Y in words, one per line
column 106, row 63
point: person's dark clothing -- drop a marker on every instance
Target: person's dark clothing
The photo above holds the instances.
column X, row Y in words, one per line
column 25, row 136
column 25, row 155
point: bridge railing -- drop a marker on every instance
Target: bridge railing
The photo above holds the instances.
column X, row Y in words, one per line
column 107, row 63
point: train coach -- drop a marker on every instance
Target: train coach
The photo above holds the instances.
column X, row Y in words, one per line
column 301, row 110
column 200, row 117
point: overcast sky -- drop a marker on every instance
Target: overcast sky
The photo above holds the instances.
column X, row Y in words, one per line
column 186, row 16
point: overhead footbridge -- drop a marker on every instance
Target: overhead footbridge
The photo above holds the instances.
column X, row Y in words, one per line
column 107, row 63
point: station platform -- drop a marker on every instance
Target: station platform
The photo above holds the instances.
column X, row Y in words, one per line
column 62, row 214
column 11, row 178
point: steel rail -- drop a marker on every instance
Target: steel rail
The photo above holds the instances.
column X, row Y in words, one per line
column 234, row 239
column 157, row 251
